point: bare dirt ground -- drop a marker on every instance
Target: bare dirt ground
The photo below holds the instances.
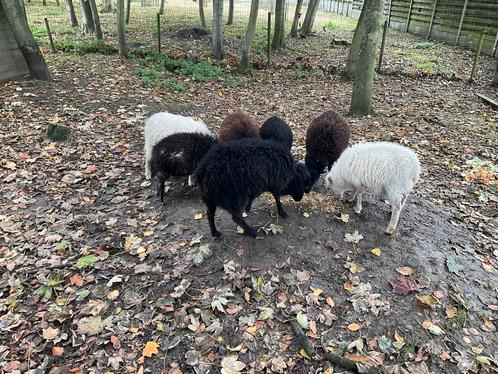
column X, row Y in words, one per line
column 98, row 276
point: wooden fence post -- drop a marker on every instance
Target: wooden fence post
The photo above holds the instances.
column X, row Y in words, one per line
column 50, row 35
column 268, row 49
column 389, row 13
column 495, row 45
column 464, row 10
column 409, row 15
column 476, row 59
column 432, row 19
column 159, row 33
column 382, row 45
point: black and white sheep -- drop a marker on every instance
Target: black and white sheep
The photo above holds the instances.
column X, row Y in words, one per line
column 238, row 125
column 275, row 128
column 160, row 125
column 233, row 174
column 388, row 170
column 178, row 155
column 326, row 138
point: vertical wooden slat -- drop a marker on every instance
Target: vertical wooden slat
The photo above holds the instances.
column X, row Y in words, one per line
column 409, row 15
column 432, row 18
column 464, row 10
column 389, row 13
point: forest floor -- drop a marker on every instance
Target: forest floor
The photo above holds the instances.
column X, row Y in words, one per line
column 98, row 276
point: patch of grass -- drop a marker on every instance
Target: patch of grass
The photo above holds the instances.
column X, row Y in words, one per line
column 427, row 67
column 234, row 81
column 83, row 47
column 413, row 341
column 299, row 73
column 330, row 25
column 447, row 70
column 398, row 52
column 170, row 85
column 154, row 78
column 318, row 73
column 425, row 45
column 458, row 321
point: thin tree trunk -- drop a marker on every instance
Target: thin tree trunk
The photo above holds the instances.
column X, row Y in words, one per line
column 354, row 49
column 218, row 51
column 495, row 79
column 161, row 8
column 107, row 6
column 230, row 12
column 361, row 100
column 309, row 18
column 96, row 20
column 24, row 39
column 201, row 14
column 44, row 2
column 278, row 37
column 88, row 26
column 128, row 6
column 71, row 13
column 245, row 63
column 297, row 16
column 120, row 21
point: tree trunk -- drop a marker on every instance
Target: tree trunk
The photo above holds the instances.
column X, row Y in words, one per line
column 161, row 8
column 88, row 26
column 127, row 17
column 309, row 18
column 24, row 39
column 107, row 6
column 201, row 14
column 245, row 63
column 71, row 13
column 120, row 21
column 44, row 2
column 361, row 100
column 297, row 16
column 278, row 37
column 96, row 20
column 218, row 51
column 230, row 12
column 495, row 79
column 354, row 49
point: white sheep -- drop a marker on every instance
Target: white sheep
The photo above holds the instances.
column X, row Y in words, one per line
column 385, row 169
column 160, row 125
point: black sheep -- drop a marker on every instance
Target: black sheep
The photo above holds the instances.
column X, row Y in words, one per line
column 278, row 130
column 233, row 174
column 178, row 155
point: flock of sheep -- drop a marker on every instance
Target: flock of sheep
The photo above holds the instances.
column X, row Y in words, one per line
column 246, row 160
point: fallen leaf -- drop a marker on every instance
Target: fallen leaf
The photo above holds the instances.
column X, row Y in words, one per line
column 489, row 268
column 150, row 349
column 57, row 351
column 403, row 285
column 198, row 216
column 354, row 238
column 230, row 365
column 50, row 333
column 317, row 291
column 181, row 288
column 87, row 261
column 330, row 301
column 405, row 270
column 344, row 218
column 353, row 327
column 356, row 268
column 76, row 280
column 428, row 300
column 199, row 254
column 302, row 320
column 303, row 353
column 432, row 328
column 90, row 325
column 453, row 266
column 451, row 311
column 377, row 251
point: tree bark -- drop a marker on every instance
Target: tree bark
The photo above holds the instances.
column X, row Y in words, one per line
column 361, row 100
column 230, row 12
column 107, row 6
column 495, row 79
column 96, row 20
column 278, row 35
column 127, row 17
column 25, row 41
column 71, row 13
column 354, row 49
column 297, row 16
column 309, row 18
column 245, row 63
column 201, row 14
column 161, row 8
column 218, row 51
column 120, row 21
column 88, row 27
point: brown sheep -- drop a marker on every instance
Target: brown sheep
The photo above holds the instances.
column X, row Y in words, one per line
column 238, row 125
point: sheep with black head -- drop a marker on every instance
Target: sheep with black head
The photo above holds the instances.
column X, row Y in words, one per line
column 276, row 129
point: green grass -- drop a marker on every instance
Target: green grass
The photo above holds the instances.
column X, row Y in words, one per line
column 318, row 73
column 425, row 45
column 234, row 81
column 83, row 47
column 299, row 73
column 330, row 25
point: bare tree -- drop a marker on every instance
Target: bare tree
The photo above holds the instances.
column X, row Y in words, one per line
column 217, row 35
column 297, row 16
column 107, row 6
column 201, row 14
column 127, row 17
column 245, row 63
column 71, row 13
column 120, row 22
column 354, row 49
column 88, row 26
column 230, row 12
column 278, row 33
column 361, row 100
column 96, row 19
column 309, row 18
column 161, row 8
column 25, row 40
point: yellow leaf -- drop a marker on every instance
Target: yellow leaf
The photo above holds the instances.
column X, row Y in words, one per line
column 398, row 337
column 329, row 371
column 353, row 327
column 303, row 353
column 488, row 268
column 317, row 291
column 252, row 330
column 198, row 216
column 133, row 329
column 113, row 295
column 49, row 333
column 356, row 267
column 150, row 349
column 349, row 287
column 148, row 233
column 376, row 251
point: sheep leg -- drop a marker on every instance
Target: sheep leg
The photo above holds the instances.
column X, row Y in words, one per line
column 359, row 200
column 211, row 210
column 147, row 164
column 248, row 206
column 396, row 210
column 280, row 210
column 191, row 181
column 239, row 220
column 161, row 178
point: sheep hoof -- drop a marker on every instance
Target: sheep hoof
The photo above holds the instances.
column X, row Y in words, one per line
column 215, row 234
column 244, row 214
column 357, row 211
column 390, row 232
column 251, row 233
column 283, row 214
